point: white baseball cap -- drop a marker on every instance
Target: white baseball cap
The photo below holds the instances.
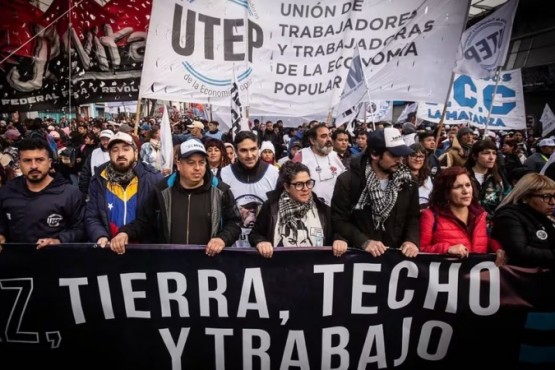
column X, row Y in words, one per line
column 190, row 147
column 546, row 142
column 106, row 133
column 121, row 137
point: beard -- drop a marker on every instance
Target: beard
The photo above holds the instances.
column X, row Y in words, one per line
column 324, row 149
column 36, row 177
column 123, row 167
column 388, row 170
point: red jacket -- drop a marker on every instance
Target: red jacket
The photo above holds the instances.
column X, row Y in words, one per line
column 440, row 230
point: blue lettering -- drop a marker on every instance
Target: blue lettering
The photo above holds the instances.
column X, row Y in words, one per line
column 459, row 86
column 505, row 92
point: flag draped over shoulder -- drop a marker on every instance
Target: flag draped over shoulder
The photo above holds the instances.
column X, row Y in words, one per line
column 548, row 121
column 166, row 142
column 483, row 47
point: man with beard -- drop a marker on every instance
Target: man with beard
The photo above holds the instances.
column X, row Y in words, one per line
column 39, row 208
column 375, row 203
column 191, row 206
column 324, row 164
column 117, row 189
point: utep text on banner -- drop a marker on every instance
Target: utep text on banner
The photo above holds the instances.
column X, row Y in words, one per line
column 292, row 57
column 471, row 99
column 484, row 46
column 164, row 307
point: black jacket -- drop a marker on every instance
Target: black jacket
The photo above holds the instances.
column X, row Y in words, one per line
column 521, row 231
column 154, row 218
column 57, row 211
column 265, row 225
column 403, row 223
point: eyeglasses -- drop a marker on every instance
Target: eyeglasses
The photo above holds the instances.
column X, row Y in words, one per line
column 300, row 185
column 545, row 197
column 417, row 156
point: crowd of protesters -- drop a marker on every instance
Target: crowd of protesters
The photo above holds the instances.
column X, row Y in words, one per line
column 411, row 186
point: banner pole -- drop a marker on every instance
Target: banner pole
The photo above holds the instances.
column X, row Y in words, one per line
column 440, row 124
column 497, row 73
column 138, row 116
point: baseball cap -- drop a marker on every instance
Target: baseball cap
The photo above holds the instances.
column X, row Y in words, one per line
column 124, row 127
column 12, row 134
column 297, row 143
column 121, row 137
column 543, row 142
column 196, row 124
column 389, row 139
column 106, row 133
column 190, row 147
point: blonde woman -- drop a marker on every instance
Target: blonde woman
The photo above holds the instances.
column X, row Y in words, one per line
column 524, row 224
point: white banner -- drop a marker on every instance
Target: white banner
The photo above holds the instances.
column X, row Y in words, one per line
column 471, row 99
column 292, row 57
column 484, row 46
column 547, row 120
column 379, row 110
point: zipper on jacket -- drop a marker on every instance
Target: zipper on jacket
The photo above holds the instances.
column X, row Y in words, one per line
column 124, row 206
column 188, row 215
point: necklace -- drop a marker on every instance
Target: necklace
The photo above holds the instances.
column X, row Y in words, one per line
column 318, row 169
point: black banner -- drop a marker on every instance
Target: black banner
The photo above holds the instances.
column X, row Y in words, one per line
column 173, row 307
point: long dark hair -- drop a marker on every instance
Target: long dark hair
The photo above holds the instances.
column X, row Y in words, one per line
column 424, row 172
column 443, row 183
column 224, row 161
column 477, row 147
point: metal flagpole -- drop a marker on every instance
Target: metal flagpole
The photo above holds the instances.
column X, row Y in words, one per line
column 440, row 124
column 70, row 84
column 497, row 73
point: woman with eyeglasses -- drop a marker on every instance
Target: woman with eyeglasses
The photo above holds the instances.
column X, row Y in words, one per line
column 421, row 173
column 293, row 216
column 524, row 224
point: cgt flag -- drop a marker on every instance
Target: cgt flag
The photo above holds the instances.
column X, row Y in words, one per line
column 483, row 47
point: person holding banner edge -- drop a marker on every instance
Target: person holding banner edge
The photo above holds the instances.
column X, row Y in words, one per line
column 191, row 206
column 375, row 204
column 293, row 216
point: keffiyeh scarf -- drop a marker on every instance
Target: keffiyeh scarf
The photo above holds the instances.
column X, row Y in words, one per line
column 291, row 209
column 382, row 201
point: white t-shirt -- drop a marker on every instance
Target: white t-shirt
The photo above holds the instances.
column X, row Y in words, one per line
column 307, row 232
column 249, row 198
column 323, row 169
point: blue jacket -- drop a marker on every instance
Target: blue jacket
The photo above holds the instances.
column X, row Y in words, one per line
column 57, row 211
column 96, row 219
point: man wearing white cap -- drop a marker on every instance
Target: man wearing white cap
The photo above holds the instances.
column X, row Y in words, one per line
column 194, row 208
column 98, row 157
column 536, row 161
column 375, row 204
column 118, row 188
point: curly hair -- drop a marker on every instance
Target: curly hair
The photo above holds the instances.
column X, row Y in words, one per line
column 224, row 161
column 288, row 171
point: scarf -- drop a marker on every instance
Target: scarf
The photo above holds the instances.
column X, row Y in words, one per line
column 382, row 201
column 155, row 144
column 117, row 177
column 290, row 209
